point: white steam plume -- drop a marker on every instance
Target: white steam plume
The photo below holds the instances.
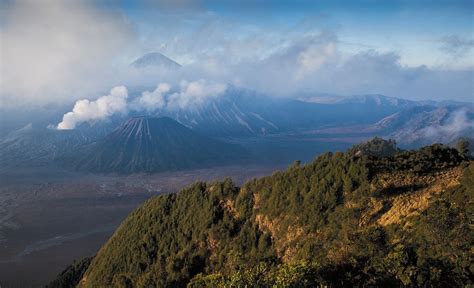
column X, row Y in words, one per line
column 102, row 108
column 193, row 93
column 189, row 94
column 151, row 101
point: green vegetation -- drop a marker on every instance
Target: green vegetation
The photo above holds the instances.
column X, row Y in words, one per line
column 375, row 147
column 463, row 147
column 327, row 223
column 71, row 275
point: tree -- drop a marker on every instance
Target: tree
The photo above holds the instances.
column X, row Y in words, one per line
column 463, row 147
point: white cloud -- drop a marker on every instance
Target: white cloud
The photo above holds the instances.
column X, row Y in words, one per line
column 194, row 93
column 57, row 51
column 151, row 101
column 457, row 123
column 314, row 57
column 187, row 94
column 100, row 109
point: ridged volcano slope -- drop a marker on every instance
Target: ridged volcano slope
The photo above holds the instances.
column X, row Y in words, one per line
column 144, row 144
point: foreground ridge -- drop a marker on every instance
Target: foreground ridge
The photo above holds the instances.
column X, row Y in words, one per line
column 346, row 219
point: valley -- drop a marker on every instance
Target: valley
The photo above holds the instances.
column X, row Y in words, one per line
column 49, row 217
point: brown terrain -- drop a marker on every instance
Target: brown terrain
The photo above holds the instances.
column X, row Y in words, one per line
column 413, row 197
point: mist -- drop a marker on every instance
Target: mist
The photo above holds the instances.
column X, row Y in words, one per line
column 451, row 128
column 54, row 52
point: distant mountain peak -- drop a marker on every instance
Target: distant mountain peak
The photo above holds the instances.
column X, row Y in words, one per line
column 155, row 59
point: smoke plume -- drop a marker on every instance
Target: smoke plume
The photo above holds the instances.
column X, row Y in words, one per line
column 193, row 93
column 151, row 101
column 100, row 109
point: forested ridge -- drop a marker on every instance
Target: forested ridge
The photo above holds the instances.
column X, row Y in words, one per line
column 373, row 216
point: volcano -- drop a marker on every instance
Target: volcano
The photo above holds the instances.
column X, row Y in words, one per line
column 155, row 59
column 146, row 144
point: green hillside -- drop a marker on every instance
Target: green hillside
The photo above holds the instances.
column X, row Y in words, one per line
column 345, row 219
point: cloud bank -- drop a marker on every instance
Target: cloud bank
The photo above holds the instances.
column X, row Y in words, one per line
column 56, row 51
column 152, row 100
column 457, row 123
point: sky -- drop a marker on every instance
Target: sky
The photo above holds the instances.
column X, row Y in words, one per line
column 56, row 52
column 433, row 33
